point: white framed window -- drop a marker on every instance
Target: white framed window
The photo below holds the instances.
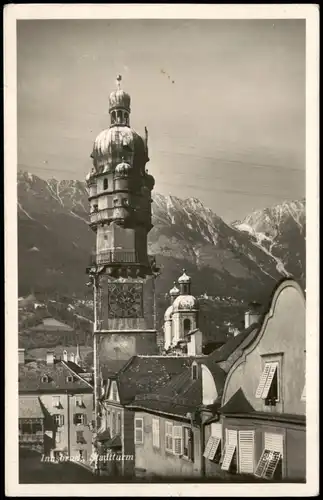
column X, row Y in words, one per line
column 79, row 401
column 246, row 451
column 156, row 434
column 188, row 443
column 270, row 462
column 58, row 420
column 177, row 440
column 56, row 401
column 268, row 387
column 79, row 419
column 169, row 436
column 230, row 450
column 139, row 430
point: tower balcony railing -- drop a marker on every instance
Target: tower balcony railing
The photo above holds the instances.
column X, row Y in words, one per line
column 114, row 257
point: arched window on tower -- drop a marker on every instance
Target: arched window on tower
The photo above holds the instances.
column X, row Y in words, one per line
column 126, row 118
column 113, row 117
column 105, row 184
column 119, row 116
column 187, row 325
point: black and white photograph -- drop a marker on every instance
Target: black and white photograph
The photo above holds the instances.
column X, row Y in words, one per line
column 161, row 215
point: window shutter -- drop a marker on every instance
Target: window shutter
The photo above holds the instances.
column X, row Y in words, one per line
column 216, row 430
column 169, row 436
column 263, row 380
column 228, row 456
column 139, row 431
column 178, row 440
column 75, row 419
column 231, row 437
column 246, row 452
column 267, row 464
column 61, row 420
column 84, row 420
column 271, row 374
column 156, row 441
column 211, row 447
column 274, row 442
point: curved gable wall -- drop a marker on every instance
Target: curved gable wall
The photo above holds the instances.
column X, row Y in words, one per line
column 210, row 392
column 282, row 334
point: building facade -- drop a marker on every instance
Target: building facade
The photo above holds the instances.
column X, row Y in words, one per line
column 55, row 409
column 261, row 425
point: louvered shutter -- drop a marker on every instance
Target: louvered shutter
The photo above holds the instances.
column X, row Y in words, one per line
column 156, row 442
column 274, row 442
column 178, row 440
column 271, row 374
column 231, row 440
column 231, row 437
column 139, row 431
column 169, row 436
column 263, row 380
column 246, row 452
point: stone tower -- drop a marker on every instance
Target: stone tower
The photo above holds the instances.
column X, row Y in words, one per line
column 121, row 271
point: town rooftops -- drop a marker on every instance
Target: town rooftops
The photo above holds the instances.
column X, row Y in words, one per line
column 50, row 324
column 223, row 352
column 40, row 377
column 142, row 374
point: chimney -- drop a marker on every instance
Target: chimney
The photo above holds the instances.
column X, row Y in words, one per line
column 194, row 342
column 21, row 356
column 50, row 358
column 72, row 357
column 78, row 355
column 65, row 355
column 253, row 314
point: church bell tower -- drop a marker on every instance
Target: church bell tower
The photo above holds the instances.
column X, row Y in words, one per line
column 121, row 271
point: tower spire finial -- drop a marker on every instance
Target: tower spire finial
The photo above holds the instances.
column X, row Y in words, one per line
column 119, row 78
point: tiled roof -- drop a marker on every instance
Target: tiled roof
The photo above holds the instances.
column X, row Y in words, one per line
column 231, row 345
column 112, row 368
column 144, row 374
column 30, row 407
column 30, row 378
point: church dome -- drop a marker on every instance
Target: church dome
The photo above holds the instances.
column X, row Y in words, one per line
column 123, row 169
column 119, row 99
column 185, row 303
column 174, row 291
column 168, row 313
column 184, row 278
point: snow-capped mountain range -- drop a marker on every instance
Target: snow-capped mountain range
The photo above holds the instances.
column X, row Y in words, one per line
column 237, row 262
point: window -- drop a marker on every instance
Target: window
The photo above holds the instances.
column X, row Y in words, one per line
column 69, row 378
column 115, row 201
column 125, row 202
column 95, row 208
column 44, row 378
column 169, row 436
column 178, row 439
column 58, row 420
column 246, row 452
column 213, row 447
column 56, row 402
column 105, row 183
column 79, row 401
column 187, row 325
column 80, row 437
column 156, row 437
column 80, row 419
column 188, row 444
column 229, row 462
column 194, row 372
column 82, row 455
column 270, row 462
column 139, row 430
column 118, row 427
column 114, row 391
column 268, row 388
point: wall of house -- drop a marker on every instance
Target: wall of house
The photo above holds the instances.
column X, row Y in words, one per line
column 294, row 445
column 160, row 462
column 68, row 432
column 283, row 336
column 209, row 389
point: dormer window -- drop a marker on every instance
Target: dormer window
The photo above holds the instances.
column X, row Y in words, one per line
column 105, row 184
column 194, row 372
column 69, row 378
column 45, row 379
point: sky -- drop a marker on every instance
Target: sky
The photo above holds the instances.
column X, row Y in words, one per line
column 223, row 101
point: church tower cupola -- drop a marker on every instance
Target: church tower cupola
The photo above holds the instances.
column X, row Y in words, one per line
column 184, row 284
column 119, row 106
column 174, row 292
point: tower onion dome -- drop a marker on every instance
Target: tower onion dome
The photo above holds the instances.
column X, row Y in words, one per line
column 119, row 99
column 185, row 303
column 168, row 313
column 184, row 278
column 149, row 181
column 174, row 292
column 123, row 169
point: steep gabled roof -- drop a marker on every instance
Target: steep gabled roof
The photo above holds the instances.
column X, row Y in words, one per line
column 223, row 353
column 30, row 378
column 144, row 374
column 30, row 407
column 238, row 403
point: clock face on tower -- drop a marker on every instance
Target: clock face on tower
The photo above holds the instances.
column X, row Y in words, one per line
column 125, row 300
